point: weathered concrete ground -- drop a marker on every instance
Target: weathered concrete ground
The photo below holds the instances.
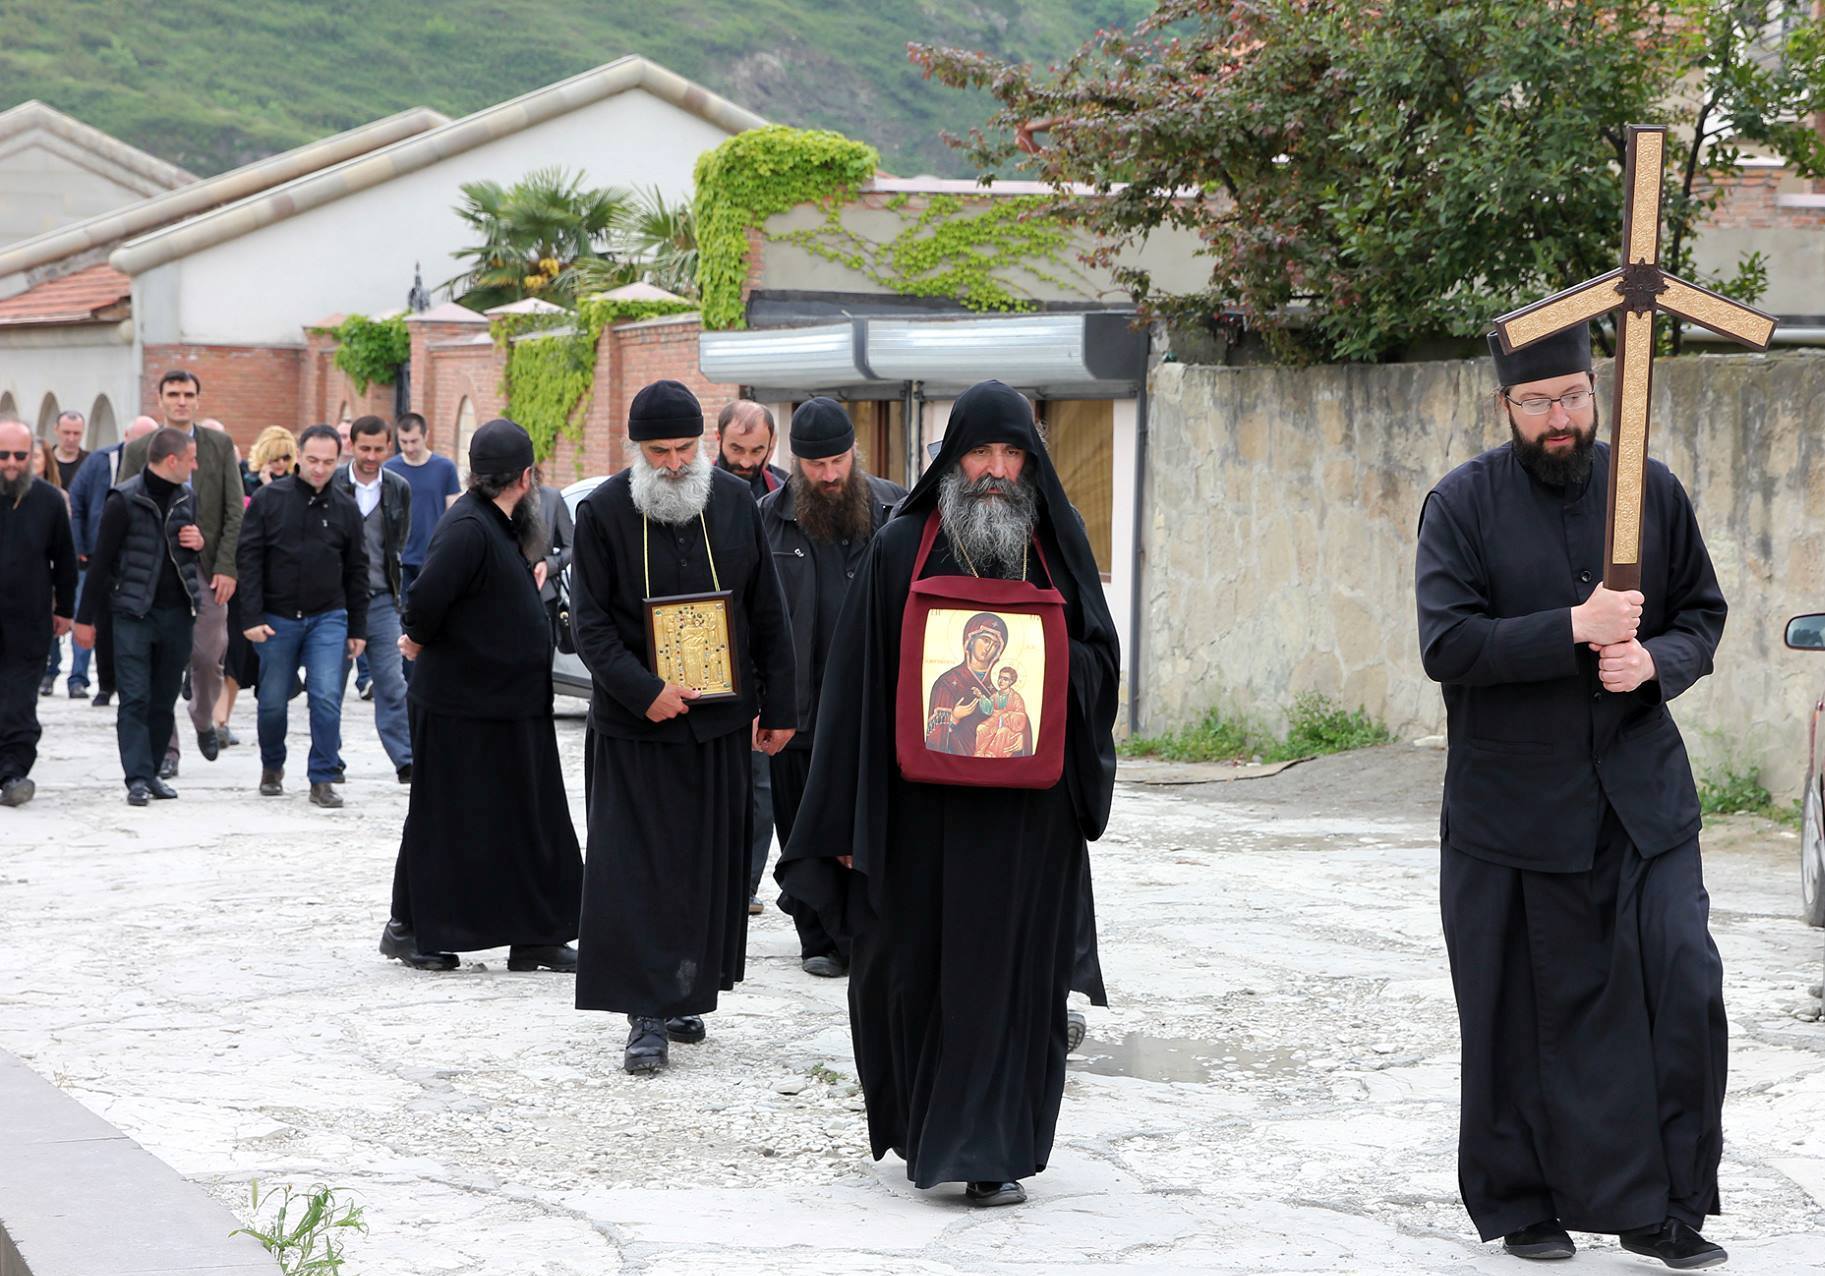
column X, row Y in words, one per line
column 1273, row 1091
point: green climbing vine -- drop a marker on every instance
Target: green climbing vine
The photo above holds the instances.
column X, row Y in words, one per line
column 548, row 380
column 949, row 249
column 748, row 179
column 371, row 350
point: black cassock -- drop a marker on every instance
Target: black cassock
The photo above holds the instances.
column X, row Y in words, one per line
column 665, row 895
column 964, row 904
column 1590, row 995
column 488, row 856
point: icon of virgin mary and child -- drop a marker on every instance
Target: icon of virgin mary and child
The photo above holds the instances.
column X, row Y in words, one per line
column 974, row 709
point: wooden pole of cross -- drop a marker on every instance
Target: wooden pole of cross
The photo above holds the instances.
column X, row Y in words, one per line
column 1635, row 291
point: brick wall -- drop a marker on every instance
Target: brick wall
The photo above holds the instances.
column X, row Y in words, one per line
column 1751, row 201
column 246, row 388
column 325, row 389
column 448, row 366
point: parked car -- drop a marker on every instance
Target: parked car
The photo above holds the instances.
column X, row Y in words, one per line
column 1807, row 633
column 569, row 677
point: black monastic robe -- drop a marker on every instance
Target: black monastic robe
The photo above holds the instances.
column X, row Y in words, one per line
column 665, row 897
column 964, row 904
column 1589, row 992
column 488, row 856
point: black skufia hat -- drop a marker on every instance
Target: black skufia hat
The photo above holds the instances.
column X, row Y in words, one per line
column 821, row 428
column 500, row 447
column 664, row 410
column 1556, row 356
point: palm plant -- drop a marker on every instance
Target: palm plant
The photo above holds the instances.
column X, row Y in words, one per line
column 657, row 243
column 532, row 233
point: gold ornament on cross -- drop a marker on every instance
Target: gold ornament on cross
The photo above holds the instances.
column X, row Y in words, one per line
column 1634, row 291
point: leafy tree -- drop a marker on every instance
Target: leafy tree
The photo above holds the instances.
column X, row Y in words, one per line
column 531, row 232
column 656, row 242
column 1365, row 176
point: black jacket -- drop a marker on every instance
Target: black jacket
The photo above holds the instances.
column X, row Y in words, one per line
column 137, row 551
column 815, row 577
column 487, row 641
column 609, row 615
column 561, row 534
column 37, row 570
column 301, row 554
column 1537, row 748
column 395, row 513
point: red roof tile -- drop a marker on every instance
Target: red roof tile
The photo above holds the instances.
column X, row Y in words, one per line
column 74, row 298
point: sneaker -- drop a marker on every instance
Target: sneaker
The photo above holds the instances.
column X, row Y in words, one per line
column 1675, row 1244
column 365, row 690
column 1076, row 1029
column 990, row 1194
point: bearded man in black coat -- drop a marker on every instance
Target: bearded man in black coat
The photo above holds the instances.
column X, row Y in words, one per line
column 963, row 905
column 665, row 899
column 1589, row 993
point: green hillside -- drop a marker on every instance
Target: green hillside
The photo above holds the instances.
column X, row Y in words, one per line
column 211, row 84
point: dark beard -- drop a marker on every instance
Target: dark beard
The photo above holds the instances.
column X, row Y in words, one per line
column 12, row 491
column 848, row 515
column 1569, row 469
column 989, row 533
column 746, row 476
column 528, row 521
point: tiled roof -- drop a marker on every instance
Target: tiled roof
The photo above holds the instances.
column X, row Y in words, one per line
column 80, row 297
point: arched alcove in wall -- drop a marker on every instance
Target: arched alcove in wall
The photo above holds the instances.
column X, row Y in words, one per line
column 47, row 416
column 465, row 430
column 103, row 430
column 9, row 407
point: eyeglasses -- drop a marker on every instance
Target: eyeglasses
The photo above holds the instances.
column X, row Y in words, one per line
column 1540, row 405
column 17, row 456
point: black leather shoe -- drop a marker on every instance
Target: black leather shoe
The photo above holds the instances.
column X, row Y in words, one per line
column 208, row 745
column 184, row 688
column 646, row 1046
column 17, row 792
column 1675, row 1244
column 101, row 699
column 405, row 773
column 987, row 1194
column 167, row 770
column 138, row 794
column 1545, row 1239
column 325, row 795
column 825, row 966
column 400, row 944
column 160, row 789
column 271, row 783
column 686, row 1030
column 1076, row 1029
column 559, row 957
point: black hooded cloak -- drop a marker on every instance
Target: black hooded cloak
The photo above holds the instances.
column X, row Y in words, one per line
column 964, row 904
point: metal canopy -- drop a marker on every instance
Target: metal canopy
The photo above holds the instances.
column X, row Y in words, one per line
column 1086, row 351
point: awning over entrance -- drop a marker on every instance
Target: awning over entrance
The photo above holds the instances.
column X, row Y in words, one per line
column 1087, row 354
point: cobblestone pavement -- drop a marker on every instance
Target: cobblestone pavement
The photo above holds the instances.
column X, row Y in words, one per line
column 1273, row 1091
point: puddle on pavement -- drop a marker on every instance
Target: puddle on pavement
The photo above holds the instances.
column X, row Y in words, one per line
column 1176, row 1058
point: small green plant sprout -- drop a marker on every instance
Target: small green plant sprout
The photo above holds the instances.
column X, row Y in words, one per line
column 309, row 1243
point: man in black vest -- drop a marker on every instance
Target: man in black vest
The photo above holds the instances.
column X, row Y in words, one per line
column 384, row 501
column 1590, row 995
column 819, row 525
column 37, row 599
column 145, row 570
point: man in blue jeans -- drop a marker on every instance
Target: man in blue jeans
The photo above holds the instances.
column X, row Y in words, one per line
column 303, row 571
column 384, row 501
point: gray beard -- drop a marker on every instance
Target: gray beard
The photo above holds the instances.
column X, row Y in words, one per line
column 12, row 491
column 990, row 533
column 670, row 500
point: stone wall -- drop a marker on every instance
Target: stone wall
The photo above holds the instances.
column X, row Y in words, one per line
column 1281, row 510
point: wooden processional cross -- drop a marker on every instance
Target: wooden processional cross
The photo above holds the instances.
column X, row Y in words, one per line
column 1634, row 291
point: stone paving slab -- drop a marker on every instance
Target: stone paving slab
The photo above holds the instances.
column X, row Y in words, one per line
column 1274, row 1089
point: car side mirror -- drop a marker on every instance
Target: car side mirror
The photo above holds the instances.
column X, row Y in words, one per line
column 1807, row 633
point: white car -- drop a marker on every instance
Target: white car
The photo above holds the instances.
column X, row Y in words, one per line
column 568, row 675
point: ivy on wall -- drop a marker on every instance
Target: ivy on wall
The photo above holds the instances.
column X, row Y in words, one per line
column 370, row 350
column 748, row 179
column 548, row 380
column 952, row 250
